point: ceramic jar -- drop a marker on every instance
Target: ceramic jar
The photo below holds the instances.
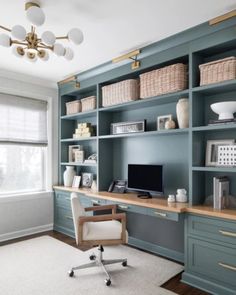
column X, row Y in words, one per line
column 182, row 111
column 182, row 195
column 68, row 175
column 170, row 124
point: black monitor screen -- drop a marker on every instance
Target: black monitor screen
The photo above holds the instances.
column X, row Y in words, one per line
column 145, row 177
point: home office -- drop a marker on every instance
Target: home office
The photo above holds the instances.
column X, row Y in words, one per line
column 117, row 167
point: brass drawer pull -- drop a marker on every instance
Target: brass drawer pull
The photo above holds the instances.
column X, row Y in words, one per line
column 227, row 266
column 68, row 217
column 227, row 233
column 68, row 199
column 123, row 207
column 160, row 214
column 96, row 201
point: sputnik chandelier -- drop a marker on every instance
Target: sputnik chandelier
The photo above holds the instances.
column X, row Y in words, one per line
column 29, row 45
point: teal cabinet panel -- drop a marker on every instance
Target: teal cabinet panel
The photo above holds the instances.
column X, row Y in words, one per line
column 163, row 214
column 215, row 261
column 63, row 217
column 62, row 199
column 215, row 229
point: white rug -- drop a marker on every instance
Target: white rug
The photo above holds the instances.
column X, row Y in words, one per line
column 39, row 267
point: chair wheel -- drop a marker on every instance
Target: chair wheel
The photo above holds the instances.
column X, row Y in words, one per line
column 124, row 263
column 108, row 282
column 92, row 257
column 71, row 273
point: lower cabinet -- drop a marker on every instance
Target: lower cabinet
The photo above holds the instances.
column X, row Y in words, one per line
column 210, row 254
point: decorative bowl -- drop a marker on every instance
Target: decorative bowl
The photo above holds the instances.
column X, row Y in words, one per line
column 225, row 109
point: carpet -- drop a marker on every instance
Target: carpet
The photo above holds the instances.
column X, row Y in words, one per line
column 39, row 267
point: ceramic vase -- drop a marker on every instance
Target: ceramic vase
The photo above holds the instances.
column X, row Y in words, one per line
column 68, row 175
column 182, row 111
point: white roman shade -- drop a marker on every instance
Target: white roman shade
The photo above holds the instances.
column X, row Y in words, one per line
column 23, row 120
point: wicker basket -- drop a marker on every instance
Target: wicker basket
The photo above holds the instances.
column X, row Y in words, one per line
column 164, row 80
column 120, row 92
column 218, row 70
column 88, row 103
column 73, row 107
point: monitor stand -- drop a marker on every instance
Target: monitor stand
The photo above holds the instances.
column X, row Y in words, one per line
column 145, row 195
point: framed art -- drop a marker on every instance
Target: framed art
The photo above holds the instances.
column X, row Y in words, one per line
column 161, row 120
column 87, row 179
column 212, row 150
column 76, row 181
column 72, row 149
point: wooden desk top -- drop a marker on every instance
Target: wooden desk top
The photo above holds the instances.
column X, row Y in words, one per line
column 155, row 203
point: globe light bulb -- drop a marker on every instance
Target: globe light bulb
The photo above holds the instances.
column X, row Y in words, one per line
column 76, row 36
column 58, row 49
column 43, row 55
column 48, row 38
column 5, row 40
column 69, row 54
column 31, row 56
column 18, row 32
column 18, row 51
column 35, row 15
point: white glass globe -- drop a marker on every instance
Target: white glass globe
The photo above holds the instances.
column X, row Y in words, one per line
column 46, row 56
column 58, row 49
column 5, row 40
column 18, row 32
column 76, row 36
column 48, row 38
column 18, row 51
column 31, row 56
column 69, row 54
column 35, row 15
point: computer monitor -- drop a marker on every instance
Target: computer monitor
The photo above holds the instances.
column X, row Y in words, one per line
column 146, row 179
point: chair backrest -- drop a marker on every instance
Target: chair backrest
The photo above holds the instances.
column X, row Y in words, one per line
column 77, row 211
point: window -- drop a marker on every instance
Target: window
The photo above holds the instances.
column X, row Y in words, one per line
column 23, row 144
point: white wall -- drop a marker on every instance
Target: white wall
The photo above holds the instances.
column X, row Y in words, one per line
column 26, row 214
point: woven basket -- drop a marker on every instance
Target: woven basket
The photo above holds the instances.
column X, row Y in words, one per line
column 218, row 71
column 120, row 92
column 73, row 107
column 88, row 103
column 164, row 80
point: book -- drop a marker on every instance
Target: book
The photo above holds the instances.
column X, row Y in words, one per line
column 224, row 121
column 220, row 192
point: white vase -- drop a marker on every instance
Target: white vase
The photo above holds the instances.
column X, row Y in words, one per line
column 68, row 175
column 182, row 111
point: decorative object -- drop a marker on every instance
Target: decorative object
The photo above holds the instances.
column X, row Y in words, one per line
column 84, row 130
column 182, row 111
column 79, row 156
column 133, row 55
column 171, row 199
column 170, row 124
column 88, row 103
column 164, row 80
column 30, row 45
column 120, row 92
column 68, row 176
column 212, row 150
column 91, row 159
column 218, row 71
column 181, row 196
column 225, row 109
column 161, row 121
column 72, row 149
column 128, row 127
column 94, row 186
column 76, row 181
column 87, row 179
column 220, row 193
column 227, row 155
column 73, row 107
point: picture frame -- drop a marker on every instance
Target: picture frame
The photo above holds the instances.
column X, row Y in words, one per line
column 161, row 120
column 87, row 179
column 76, row 181
column 212, row 150
column 71, row 152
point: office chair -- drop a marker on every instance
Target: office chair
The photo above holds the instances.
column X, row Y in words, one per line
column 98, row 230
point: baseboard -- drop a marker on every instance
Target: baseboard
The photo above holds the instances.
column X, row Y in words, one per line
column 26, row 232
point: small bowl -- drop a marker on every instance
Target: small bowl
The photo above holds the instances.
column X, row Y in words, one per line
column 225, row 109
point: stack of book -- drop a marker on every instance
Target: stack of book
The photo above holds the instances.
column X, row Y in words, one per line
column 220, row 192
column 83, row 130
column 225, row 121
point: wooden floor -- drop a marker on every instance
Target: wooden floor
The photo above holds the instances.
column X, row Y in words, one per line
column 173, row 284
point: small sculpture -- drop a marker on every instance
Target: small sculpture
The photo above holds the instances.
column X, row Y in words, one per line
column 170, row 124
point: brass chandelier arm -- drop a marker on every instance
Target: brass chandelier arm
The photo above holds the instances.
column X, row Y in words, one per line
column 41, row 45
column 5, row 28
column 19, row 42
column 62, row 37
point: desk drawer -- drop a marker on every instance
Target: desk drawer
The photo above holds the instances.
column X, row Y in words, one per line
column 212, row 261
column 62, row 199
column 96, row 201
column 210, row 228
column 163, row 214
column 131, row 208
column 63, row 217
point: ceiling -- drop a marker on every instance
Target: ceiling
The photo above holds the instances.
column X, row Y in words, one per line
column 111, row 28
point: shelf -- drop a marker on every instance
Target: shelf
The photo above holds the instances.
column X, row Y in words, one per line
column 148, row 133
column 215, row 169
column 216, row 88
column 78, row 164
column 79, row 115
column 148, row 102
column 79, row 139
column 214, row 127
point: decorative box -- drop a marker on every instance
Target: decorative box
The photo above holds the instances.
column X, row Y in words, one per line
column 227, row 155
column 79, row 156
column 128, row 127
column 88, row 103
column 73, row 107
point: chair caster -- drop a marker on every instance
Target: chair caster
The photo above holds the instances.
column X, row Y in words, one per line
column 71, row 273
column 124, row 263
column 108, row 282
column 92, row 257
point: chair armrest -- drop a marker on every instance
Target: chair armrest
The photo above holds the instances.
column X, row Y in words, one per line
column 102, row 207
